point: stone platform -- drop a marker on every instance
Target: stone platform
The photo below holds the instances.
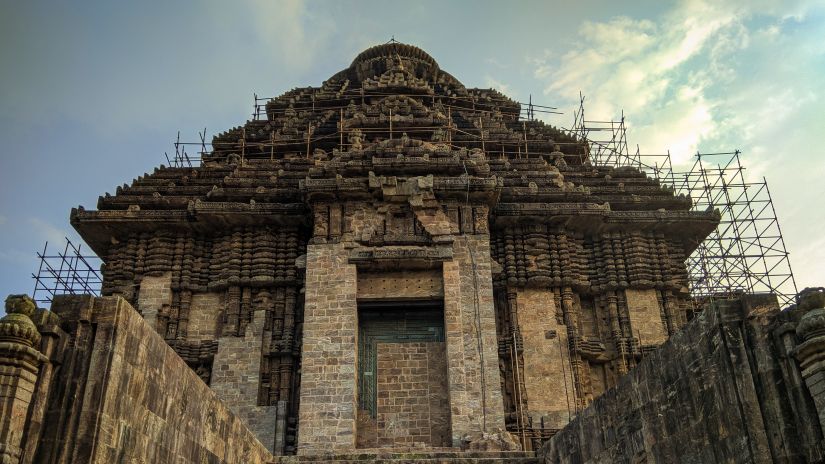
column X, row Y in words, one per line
column 415, row 456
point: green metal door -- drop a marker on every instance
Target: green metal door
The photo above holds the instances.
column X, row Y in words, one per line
column 391, row 323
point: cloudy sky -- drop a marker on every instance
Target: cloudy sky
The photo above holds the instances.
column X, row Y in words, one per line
column 93, row 93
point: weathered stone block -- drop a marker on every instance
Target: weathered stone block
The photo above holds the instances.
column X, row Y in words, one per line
column 547, row 376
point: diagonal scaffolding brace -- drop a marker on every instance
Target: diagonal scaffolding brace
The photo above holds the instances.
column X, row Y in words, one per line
column 746, row 252
column 66, row 272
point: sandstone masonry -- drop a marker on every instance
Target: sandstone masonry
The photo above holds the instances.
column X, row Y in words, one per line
column 724, row 389
column 393, row 186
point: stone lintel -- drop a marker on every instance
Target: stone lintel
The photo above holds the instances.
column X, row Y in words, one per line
column 406, row 254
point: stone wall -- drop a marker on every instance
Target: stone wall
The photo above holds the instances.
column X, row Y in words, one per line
column 236, row 375
column 724, row 389
column 547, row 375
column 645, row 316
column 121, row 394
column 413, row 402
column 155, row 293
column 204, row 316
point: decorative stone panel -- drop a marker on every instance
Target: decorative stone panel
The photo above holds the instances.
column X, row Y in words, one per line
column 426, row 284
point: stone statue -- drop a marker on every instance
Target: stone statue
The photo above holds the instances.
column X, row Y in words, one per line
column 355, row 138
column 557, row 158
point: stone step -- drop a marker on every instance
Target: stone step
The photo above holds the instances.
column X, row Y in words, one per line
column 374, row 460
column 416, row 457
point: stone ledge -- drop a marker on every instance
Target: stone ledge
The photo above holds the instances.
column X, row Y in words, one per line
column 414, row 456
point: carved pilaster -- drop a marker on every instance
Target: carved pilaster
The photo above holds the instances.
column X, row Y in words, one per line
column 811, row 352
column 19, row 365
column 616, row 333
column 574, row 337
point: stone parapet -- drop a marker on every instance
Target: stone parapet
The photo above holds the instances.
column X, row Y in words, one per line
column 726, row 388
column 121, row 394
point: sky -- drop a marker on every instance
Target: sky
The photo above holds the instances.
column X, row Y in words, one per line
column 93, row 93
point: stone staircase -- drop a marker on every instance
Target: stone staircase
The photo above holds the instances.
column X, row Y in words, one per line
column 448, row 456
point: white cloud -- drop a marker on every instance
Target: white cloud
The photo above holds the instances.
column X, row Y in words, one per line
column 283, row 27
column 678, row 79
column 497, row 85
column 494, row 62
column 714, row 76
column 640, row 66
column 48, row 232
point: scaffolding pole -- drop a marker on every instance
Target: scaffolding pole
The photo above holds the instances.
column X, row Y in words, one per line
column 746, row 252
column 66, row 272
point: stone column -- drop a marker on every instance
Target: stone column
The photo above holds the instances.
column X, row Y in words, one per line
column 472, row 348
column 326, row 418
column 811, row 352
column 19, row 364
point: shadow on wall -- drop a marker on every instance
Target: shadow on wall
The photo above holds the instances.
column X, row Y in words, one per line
column 91, row 381
column 742, row 383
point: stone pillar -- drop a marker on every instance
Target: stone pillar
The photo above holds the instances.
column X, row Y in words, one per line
column 472, row 348
column 327, row 416
column 19, row 365
column 811, row 352
column 53, row 340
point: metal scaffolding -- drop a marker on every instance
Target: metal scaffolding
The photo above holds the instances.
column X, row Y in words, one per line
column 181, row 158
column 66, row 272
column 746, row 252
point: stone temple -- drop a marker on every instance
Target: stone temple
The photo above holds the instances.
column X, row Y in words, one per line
column 394, row 266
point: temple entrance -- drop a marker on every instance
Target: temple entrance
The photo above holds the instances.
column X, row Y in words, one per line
column 403, row 397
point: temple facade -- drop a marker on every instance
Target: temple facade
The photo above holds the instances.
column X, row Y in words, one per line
column 395, row 260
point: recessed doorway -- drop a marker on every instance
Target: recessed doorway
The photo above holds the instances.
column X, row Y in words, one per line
column 403, row 394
